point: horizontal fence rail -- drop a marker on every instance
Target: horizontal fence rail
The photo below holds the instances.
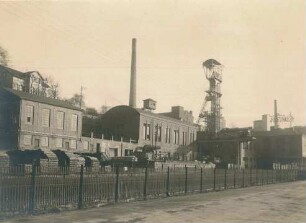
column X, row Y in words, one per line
column 34, row 189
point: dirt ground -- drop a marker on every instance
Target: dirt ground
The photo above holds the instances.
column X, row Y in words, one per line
column 284, row 202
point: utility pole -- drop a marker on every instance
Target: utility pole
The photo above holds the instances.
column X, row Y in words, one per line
column 81, row 98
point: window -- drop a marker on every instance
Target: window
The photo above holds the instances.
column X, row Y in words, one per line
column 46, row 117
column 29, row 112
column 60, row 116
column 158, row 133
column 36, row 143
column 73, row 144
column 74, row 122
column 168, row 134
column 85, row 145
column 67, row 145
column 184, row 138
column 176, row 136
column 44, row 141
column 27, row 140
column 146, row 131
column 115, row 152
column 58, row 142
column 98, row 148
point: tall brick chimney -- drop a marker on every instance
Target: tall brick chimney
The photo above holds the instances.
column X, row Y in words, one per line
column 132, row 101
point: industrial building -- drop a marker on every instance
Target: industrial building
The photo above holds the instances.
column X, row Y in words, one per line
column 29, row 121
column 168, row 132
column 229, row 148
column 280, row 146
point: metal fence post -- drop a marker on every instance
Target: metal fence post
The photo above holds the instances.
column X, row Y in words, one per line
column 272, row 176
column 267, row 176
column 168, row 182
column 243, row 178
column 251, row 176
column 117, row 185
column 186, row 179
column 80, row 203
column 215, row 178
column 225, row 186
column 256, row 179
column 201, row 182
column 262, row 176
column 145, row 184
column 280, row 175
column 33, row 190
column 234, row 178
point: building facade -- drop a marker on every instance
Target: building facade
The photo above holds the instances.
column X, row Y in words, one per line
column 174, row 137
column 29, row 121
column 230, row 148
column 261, row 125
column 281, row 146
column 31, row 82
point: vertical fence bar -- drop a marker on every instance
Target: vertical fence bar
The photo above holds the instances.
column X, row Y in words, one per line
column 33, row 190
column 280, row 178
column 168, row 182
column 256, row 177
column 80, row 203
column 262, row 176
column 215, row 178
column 117, row 185
column 201, row 182
column 243, row 178
column 145, row 184
column 225, row 185
column 234, row 177
column 250, row 176
column 267, row 176
column 186, row 179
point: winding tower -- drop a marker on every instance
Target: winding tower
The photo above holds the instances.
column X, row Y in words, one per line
column 210, row 117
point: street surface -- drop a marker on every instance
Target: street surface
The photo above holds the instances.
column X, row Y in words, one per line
column 275, row 203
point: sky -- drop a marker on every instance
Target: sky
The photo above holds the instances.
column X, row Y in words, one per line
column 261, row 44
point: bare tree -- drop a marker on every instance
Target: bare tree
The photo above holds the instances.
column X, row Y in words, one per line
column 54, row 87
column 4, row 57
column 77, row 100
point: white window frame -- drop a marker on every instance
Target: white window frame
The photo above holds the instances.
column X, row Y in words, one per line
column 29, row 113
column 43, row 123
column 44, row 141
column 74, row 122
column 60, row 125
column 25, row 140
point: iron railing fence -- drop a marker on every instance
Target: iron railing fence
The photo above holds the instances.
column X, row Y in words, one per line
column 31, row 189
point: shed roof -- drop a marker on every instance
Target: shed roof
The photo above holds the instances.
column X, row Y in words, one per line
column 41, row 99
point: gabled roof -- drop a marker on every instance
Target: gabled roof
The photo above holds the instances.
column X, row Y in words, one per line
column 10, row 71
column 41, row 99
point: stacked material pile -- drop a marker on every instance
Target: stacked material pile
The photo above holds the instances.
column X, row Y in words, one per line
column 92, row 162
column 75, row 161
column 49, row 160
column 4, row 160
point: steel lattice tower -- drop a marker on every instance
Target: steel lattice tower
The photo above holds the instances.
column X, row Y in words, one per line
column 211, row 118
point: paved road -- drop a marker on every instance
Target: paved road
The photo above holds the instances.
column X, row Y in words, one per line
column 284, row 202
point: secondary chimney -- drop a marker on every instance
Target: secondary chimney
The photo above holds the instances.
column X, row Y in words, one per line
column 276, row 125
column 132, row 101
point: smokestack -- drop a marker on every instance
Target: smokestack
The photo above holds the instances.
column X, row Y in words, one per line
column 132, row 101
column 276, row 126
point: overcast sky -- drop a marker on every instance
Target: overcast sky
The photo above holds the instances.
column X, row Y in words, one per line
column 260, row 44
